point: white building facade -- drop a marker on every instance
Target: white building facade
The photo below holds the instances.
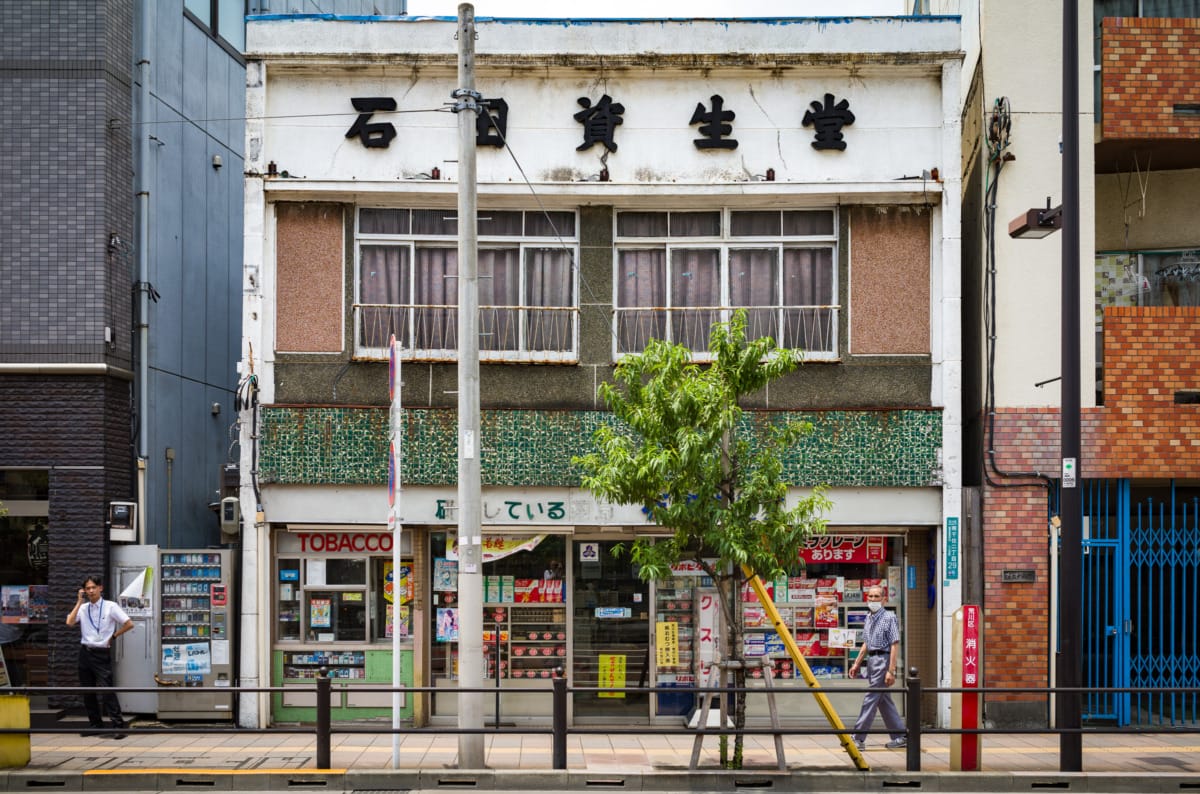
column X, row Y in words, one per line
column 635, row 179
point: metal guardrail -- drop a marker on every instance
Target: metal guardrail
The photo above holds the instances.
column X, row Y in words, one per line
column 559, row 729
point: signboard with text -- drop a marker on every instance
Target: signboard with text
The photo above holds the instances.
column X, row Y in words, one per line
column 838, row 548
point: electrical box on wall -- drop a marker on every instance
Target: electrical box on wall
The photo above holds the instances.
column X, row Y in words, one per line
column 122, row 521
column 231, row 515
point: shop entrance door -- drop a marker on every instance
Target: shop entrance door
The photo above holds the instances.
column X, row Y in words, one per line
column 611, row 615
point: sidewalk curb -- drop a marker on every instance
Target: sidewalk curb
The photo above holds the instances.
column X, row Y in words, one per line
column 557, row 781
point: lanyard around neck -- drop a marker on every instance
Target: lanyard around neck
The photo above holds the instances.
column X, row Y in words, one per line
column 92, row 617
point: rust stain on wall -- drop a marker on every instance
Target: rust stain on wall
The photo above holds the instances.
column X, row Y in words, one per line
column 308, row 263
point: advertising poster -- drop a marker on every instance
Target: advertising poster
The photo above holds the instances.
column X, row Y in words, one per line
column 447, row 625
column 191, row 658
column 39, row 602
column 137, row 598
column 612, row 674
column 15, row 600
column 667, row 644
column 320, row 613
column 445, row 574
column 391, row 587
column 842, row 638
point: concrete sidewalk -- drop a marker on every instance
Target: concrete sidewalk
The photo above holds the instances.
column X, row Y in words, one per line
column 1144, row 754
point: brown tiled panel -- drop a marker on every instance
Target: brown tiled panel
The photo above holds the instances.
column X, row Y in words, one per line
column 889, row 280
column 310, row 253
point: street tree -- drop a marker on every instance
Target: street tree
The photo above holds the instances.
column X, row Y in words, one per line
column 686, row 452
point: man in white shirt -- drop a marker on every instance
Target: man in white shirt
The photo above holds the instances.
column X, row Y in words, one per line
column 100, row 622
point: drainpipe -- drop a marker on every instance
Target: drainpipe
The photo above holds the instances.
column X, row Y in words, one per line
column 142, row 208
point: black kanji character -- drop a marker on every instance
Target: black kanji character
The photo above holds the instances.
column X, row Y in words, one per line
column 379, row 134
column 713, row 127
column 599, row 122
column 493, row 117
column 828, row 119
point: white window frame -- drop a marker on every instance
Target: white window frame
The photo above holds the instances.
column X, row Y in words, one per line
column 523, row 244
column 724, row 243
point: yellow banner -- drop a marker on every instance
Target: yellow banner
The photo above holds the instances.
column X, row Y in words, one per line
column 667, row 651
column 611, row 674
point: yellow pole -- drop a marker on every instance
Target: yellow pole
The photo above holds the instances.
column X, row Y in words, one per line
column 802, row 665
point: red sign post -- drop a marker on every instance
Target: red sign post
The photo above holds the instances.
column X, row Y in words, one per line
column 966, row 749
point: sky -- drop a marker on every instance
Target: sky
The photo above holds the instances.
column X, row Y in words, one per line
column 627, row 9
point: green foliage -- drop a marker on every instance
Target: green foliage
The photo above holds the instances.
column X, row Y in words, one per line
column 682, row 460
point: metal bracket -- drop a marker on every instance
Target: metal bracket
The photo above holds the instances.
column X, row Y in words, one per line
column 468, row 99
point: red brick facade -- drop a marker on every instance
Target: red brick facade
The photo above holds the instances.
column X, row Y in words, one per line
column 1149, row 65
column 1139, row 433
column 1149, row 354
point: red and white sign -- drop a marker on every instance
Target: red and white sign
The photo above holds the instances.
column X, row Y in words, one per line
column 970, row 676
column 845, row 548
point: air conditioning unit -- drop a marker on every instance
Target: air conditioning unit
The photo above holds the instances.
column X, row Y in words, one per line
column 122, row 521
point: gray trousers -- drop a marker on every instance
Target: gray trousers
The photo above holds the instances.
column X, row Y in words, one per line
column 877, row 667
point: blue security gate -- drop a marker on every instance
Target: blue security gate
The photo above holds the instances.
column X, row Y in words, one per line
column 1105, row 599
column 1141, row 600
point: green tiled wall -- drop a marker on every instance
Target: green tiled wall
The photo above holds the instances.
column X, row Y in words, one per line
column 310, row 446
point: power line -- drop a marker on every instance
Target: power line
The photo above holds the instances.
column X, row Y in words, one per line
column 117, row 123
column 533, row 191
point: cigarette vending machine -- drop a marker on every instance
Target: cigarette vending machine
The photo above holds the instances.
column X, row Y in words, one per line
column 196, row 641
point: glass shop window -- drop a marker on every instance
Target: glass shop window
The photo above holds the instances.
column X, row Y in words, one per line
column 392, row 600
column 336, row 615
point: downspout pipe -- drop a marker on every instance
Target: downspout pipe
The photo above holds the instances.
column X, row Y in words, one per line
column 142, row 278
column 142, row 207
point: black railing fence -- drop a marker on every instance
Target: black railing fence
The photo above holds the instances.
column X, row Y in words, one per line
column 559, row 728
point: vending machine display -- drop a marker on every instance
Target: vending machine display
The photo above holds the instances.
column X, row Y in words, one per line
column 197, row 634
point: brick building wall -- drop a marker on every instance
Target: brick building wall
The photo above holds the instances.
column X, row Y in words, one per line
column 1148, row 66
column 1139, row 433
column 66, row 216
column 78, row 429
column 1150, row 354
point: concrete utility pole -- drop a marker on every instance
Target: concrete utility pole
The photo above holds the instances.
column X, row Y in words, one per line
column 470, row 517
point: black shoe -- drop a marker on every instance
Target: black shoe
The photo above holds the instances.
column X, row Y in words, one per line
column 94, row 730
column 117, row 736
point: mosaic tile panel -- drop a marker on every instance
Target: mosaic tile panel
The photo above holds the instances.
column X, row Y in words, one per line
column 310, row 446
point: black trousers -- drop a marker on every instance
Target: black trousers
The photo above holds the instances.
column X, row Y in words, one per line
column 95, row 669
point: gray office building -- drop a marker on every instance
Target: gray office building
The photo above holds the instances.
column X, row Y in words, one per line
column 120, row 224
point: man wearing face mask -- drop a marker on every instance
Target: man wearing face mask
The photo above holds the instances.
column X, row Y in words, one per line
column 881, row 650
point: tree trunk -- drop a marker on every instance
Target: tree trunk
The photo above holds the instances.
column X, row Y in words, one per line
column 730, row 594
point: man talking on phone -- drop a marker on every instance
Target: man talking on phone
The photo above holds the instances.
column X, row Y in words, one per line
column 100, row 622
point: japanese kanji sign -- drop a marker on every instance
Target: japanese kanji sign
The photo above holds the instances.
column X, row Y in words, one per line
column 374, row 135
column 828, row 120
column 713, row 126
column 600, row 120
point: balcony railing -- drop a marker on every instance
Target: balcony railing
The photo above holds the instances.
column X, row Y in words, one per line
column 812, row 329
column 430, row 332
